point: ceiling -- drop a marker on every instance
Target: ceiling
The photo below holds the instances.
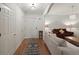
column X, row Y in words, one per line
column 64, row 9
column 56, row 8
column 59, row 15
column 39, row 8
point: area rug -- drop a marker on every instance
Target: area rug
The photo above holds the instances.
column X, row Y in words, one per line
column 33, row 48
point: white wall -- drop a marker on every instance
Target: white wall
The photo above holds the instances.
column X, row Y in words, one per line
column 32, row 24
column 63, row 21
column 11, row 21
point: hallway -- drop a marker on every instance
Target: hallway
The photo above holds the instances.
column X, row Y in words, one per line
column 22, row 23
column 32, row 47
column 18, row 22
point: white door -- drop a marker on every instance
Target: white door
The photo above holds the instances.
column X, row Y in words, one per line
column 11, row 33
column 7, row 30
column 32, row 28
column 2, row 31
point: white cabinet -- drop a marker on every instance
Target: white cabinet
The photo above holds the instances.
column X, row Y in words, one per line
column 51, row 44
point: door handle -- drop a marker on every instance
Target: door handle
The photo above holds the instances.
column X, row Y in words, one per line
column 0, row 34
column 14, row 34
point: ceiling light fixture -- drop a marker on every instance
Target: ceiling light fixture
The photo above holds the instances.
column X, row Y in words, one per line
column 33, row 5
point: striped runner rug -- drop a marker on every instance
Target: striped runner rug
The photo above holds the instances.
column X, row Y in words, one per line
column 33, row 48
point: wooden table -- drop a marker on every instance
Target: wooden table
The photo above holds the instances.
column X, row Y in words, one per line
column 73, row 40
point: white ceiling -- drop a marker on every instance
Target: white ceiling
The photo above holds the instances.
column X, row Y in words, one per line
column 64, row 9
column 59, row 13
column 56, row 9
column 39, row 10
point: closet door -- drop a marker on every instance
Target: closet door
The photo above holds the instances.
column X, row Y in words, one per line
column 11, row 33
column 35, row 28
column 7, row 31
column 2, row 31
column 32, row 28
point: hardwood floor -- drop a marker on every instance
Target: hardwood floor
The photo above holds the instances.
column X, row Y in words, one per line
column 24, row 46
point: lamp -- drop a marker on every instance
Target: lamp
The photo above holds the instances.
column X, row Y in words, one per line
column 72, row 16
